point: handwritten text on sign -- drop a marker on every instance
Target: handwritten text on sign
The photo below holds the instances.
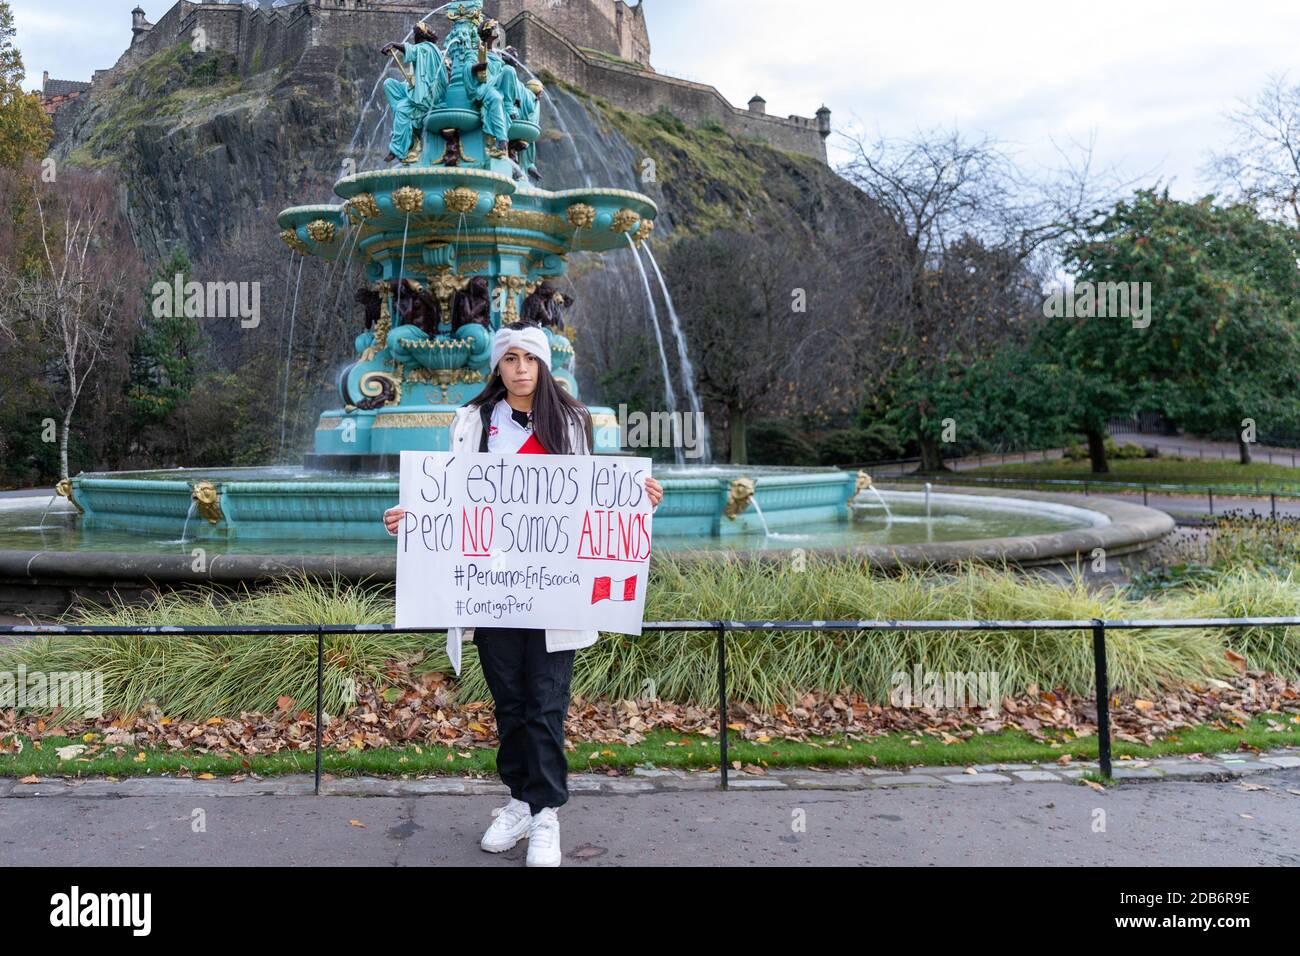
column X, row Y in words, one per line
column 538, row 541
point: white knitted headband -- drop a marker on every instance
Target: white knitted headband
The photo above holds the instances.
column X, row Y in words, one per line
column 532, row 340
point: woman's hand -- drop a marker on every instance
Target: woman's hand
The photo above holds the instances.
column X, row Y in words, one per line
column 393, row 519
column 654, row 490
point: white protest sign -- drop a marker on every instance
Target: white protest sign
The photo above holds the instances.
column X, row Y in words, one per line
column 536, row 541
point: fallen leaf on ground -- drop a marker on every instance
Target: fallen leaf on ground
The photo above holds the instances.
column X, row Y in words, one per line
column 427, row 714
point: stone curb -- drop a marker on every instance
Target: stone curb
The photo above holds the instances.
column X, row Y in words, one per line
column 644, row 780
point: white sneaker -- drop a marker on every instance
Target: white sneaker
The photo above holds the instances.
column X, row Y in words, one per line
column 544, row 839
column 510, row 826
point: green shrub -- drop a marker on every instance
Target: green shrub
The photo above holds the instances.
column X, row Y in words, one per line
column 774, row 442
column 669, row 121
column 201, row 677
column 852, row 445
column 193, row 677
column 1245, row 594
column 1114, row 451
column 1242, row 542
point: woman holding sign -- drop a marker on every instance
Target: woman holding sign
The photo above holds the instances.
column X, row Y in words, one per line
column 524, row 410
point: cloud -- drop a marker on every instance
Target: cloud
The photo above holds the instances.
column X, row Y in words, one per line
column 1151, row 79
column 73, row 40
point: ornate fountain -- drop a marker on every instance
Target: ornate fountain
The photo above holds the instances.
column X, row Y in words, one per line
column 456, row 241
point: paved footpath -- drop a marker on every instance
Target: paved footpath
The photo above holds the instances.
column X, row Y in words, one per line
column 1229, row 809
column 1193, row 509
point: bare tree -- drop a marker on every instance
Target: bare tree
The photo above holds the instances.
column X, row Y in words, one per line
column 615, row 363
column 757, row 308
column 963, row 205
column 81, row 287
column 1262, row 166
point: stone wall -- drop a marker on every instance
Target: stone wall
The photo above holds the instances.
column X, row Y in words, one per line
column 52, row 104
column 634, row 34
column 371, row 25
column 165, row 33
column 642, row 91
column 62, row 111
column 260, row 39
column 610, row 26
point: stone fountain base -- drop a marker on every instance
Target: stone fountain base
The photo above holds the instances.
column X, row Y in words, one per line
column 46, row 583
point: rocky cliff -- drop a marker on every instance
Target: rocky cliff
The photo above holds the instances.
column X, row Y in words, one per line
column 201, row 150
column 204, row 151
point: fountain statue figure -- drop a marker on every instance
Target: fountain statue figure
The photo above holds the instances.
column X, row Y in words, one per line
column 423, row 84
column 455, row 241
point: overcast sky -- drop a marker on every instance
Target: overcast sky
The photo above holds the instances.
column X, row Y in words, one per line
column 1151, row 79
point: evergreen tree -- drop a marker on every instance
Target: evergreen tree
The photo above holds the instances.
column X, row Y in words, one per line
column 165, row 353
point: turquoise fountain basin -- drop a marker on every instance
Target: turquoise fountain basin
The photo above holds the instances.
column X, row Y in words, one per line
column 293, row 511
column 146, row 532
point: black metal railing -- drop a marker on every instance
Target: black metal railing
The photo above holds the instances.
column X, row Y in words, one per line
column 1274, row 455
column 1097, row 628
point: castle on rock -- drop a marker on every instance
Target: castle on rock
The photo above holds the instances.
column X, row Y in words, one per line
column 600, row 46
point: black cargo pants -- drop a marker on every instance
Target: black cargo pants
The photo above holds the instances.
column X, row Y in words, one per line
column 531, row 691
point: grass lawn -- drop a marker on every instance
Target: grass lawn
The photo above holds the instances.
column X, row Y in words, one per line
column 1225, row 475
column 661, row 749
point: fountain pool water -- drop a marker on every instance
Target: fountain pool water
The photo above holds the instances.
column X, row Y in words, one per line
column 294, row 511
column 20, row 530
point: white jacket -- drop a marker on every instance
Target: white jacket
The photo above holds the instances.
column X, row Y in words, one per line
column 466, row 434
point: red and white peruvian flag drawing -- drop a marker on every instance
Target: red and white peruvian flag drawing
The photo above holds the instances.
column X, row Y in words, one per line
column 603, row 589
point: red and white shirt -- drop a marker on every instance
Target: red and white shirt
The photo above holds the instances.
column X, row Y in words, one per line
column 511, row 432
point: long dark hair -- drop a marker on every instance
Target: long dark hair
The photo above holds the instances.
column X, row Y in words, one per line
column 554, row 409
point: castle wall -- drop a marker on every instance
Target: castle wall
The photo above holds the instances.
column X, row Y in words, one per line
column 263, row 40
column 633, row 33
column 606, row 25
column 165, row 33
column 260, row 39
column 378, row 23
column 219, row 24
column 645, row 92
